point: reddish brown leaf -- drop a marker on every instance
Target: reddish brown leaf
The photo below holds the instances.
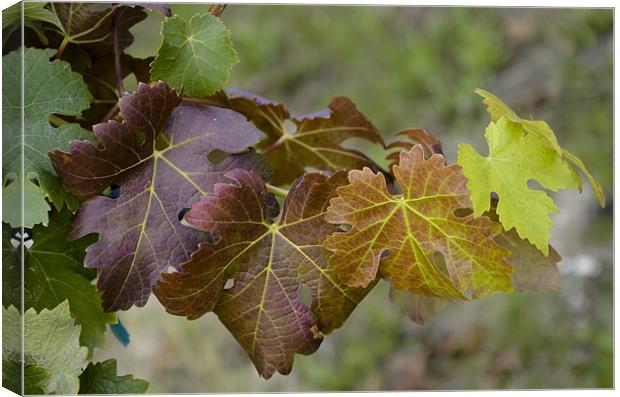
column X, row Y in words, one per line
column 314, row 140
column 159, row 176
column 409, row 238
column 252, row 271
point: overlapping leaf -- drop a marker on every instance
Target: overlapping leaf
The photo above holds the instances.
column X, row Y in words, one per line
column 51, row 342
column 314, row 140
column 35, row 14
column 430, row 143
column 90, row 24
column 267, row 265
column 532, row 272
column 497, row 109
column 101, row 378
column 416, row 240
column 49, row 88
column 514, row 159
column 53, row 272
column 160, row 174
column 34, row 377
column 196, row 56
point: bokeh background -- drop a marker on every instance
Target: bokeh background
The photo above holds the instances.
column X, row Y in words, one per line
column 417, row 67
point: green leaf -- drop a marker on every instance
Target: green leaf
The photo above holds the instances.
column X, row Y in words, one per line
column 51, row 342
column 34, row 377
column 196, row 56
column 497, row 109
column 50, row 88
column 514, row 159
column 101, row 378
column 54, row 273
column 34, row 13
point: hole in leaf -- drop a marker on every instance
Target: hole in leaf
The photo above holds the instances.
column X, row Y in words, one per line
column 16, row 237
column 140, row 137
column 344, row 228
column 32, row 178
column 229, row 284
column 171, row 269
column 384, row 254
column 289, row 127
column 463, row 212
column 212, row 237
column 440, row 262
column 162, row 141
column 112, row 191
column 182, row 214
column 216, row 156
column 304, row 294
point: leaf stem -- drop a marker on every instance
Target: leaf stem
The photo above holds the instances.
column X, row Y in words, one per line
column 110, row 113
column 117, row 57
column 62, row 47
column 278, row 191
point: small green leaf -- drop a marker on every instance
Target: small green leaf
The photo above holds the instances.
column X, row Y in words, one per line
column 33, row 12
column 54, row 272
column 514, row 159
column 51, row 342
column 34, row 377
column 497, row 109
column 196, row 56
column 101, row 378
column 50, row 88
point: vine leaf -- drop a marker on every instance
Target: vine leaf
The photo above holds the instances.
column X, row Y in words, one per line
column 90, row 25
column 416, row 240
column 268, row 265
column 430, row 143
column 34, row 15
column 53, row 272
column 195, row 56
column 159, row 175
column 514, row 159
column 51, row 342
column 49, row 88
column 313, row 140
column 532, row 272
column 34, row 377
column 101, row 378
column 497, row 109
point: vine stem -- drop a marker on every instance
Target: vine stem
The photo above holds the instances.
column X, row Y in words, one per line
column 62, row 47
column 278, row 191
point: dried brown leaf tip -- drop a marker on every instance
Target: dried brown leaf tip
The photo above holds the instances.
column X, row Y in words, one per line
column 254, row 273
column 416, row 239
column 314, row 140
column 156, row 163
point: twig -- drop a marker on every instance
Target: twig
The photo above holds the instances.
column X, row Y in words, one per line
column 110, row 113
column 217, row 9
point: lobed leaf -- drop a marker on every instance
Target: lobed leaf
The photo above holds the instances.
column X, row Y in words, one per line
column 195, row 56
column 541, row 129
column 49, row 88
column 90, row 24
column 514, row 159
column 101, row 378
column 416, row 240
column 430, row 143
column 159, row 159
column 313, row 140
column 53, row 273
column 267, row 266
column 51, row 342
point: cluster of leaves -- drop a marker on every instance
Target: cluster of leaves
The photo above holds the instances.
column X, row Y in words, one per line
column 220, row 201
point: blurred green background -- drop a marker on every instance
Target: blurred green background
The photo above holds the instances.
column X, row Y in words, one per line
column 412, row 67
